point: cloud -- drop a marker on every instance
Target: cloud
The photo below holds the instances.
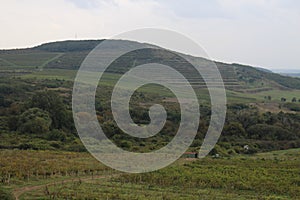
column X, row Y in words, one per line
column 86, row 4
column 194, row 8
column 259, row 32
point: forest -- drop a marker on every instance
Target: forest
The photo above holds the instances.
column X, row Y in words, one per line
column 38, row 113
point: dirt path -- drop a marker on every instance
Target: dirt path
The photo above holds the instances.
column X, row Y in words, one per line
column 19, row 191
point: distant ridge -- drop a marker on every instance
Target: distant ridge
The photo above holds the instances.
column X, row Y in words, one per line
column 71, row 53
column 291, row 74
column 264, row 69
column 69, row 46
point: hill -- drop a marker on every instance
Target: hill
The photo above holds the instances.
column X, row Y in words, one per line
column 36, row 94
column 70, row 54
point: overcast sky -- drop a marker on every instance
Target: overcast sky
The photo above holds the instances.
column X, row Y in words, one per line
column 262, row 33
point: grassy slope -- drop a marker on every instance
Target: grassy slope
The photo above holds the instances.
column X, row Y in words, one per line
column 33, row 59
column 233, row 96
column 244, row 84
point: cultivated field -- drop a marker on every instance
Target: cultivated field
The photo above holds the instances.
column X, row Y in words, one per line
column 66, row 175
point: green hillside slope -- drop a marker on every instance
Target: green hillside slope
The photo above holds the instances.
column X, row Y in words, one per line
column 70, row 54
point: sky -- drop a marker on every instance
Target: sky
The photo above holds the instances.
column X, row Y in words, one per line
column 262, row 33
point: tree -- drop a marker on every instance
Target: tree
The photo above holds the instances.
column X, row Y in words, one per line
column 2, row 101
column 53, row 104
column 294, row 99
column 248, row 117
column 234, row 129
column 283, row 99
column 269, row 132
column 269, row 98
column 57, row 135
column 35, row 121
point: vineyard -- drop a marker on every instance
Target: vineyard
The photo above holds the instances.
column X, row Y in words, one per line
column 20, row 167
column 67, row 175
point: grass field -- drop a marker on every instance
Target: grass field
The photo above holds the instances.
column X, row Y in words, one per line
column 65, row 175
column 276, row 95
column 28, row 59
column 52, row 74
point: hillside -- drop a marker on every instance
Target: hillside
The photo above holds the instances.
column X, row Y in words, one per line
column 291, row 74
column 70, row 54
column 263, row 107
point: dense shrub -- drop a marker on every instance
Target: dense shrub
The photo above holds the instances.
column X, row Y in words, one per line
column 293, row 106
column 269, row 132
column 34, row 121
column 5, row 195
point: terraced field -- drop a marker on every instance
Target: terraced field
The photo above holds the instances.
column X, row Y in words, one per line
column 60, row 60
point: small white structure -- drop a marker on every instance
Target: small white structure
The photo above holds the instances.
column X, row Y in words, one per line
column 216, row 155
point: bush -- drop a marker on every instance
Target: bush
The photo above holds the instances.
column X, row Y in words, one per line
column 126, row 144
column 292, row 106
column 234, row 129
column 6, row 89
column 34, row 121
column 57, row 135
column 238, row 106
column 5, row 195
column 269, row 132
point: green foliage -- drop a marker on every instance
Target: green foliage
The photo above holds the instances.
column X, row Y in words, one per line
column 292, row 106
column 5, row 195
column 37, row 145
column 57, row 135
column 21, row 165
column 125, row 144
column 250, row 75
column 56, row 101
column 269, row 132
column 286, row 81
column 234, row 129
column 263, row 176
column 238, row 106
column 6, row 89
column 35, row 121
column 50, row 91
column 4, row 102
column 52, row 103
